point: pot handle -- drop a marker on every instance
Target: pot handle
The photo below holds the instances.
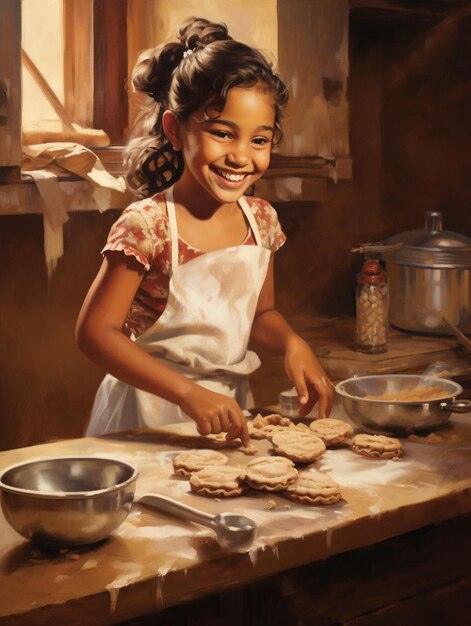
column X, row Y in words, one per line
column 376, row 247
column 457, row 406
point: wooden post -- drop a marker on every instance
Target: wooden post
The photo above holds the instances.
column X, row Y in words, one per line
column 110, row 68
column 10, row 91
column 78, row 60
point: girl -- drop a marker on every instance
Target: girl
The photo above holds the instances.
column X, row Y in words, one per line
column 187, row 276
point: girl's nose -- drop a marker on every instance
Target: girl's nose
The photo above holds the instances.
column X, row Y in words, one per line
column 238, row 156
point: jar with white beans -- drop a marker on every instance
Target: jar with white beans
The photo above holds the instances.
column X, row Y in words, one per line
column 372, row 304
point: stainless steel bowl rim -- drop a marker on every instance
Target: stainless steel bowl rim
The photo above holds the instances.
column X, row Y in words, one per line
column 72, row 495
column 417, row 377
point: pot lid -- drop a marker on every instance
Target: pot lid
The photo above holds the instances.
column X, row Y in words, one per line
column 431, row 246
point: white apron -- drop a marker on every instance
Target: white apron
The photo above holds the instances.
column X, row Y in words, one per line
column 203, row 333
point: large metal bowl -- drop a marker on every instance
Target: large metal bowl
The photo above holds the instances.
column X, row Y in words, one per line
column 395, row 417
column 67, row 501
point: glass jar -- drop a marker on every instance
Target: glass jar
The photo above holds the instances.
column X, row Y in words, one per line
column 372, row 304
column 289, row 403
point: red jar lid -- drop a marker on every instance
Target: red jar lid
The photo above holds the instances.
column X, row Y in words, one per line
column 372, row 273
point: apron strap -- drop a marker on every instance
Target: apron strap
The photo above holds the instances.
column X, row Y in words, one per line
column 243, row 203
column 172, row 224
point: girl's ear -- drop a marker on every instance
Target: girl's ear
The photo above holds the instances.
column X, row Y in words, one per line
column 172, row 128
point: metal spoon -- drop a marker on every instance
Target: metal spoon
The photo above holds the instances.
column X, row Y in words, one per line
column 232, row 530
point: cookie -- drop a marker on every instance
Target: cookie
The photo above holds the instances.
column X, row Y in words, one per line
column 298, row 446
column 265, row 432
column 377, row 446
column 314, row 488
column 333, row 432
column 216, row 481
column 221, row 441
column 273, row 419
column 189, row 461
column 265, row 427
column 270, row 473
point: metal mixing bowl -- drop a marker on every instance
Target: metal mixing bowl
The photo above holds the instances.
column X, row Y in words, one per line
column 397, row 417
column 67, row 501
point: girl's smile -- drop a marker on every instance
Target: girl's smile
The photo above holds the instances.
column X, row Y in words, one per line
column 228, row 175
column 229, row 178
column 226, row 151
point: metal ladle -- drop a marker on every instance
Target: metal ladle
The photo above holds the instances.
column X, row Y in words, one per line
column 232, row 530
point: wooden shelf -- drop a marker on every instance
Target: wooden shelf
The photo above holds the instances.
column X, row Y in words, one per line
column 311, row 173
column 280, row 165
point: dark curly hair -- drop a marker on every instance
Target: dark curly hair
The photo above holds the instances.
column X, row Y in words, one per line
column 182, row 83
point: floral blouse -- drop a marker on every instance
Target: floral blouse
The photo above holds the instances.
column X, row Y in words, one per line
column 142, row 231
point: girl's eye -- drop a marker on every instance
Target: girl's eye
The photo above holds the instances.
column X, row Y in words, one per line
column 222, row 134
column 261, row 141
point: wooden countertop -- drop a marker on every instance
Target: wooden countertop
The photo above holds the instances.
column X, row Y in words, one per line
column 153, row 561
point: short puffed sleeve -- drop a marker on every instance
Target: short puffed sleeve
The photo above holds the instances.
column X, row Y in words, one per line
column 269, row 226
column 140, row 231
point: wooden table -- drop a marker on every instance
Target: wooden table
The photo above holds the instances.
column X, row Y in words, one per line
column 153, row 561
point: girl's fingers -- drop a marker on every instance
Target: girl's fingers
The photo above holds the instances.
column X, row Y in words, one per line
column 326, row 397
column 204, row 427
column 245, row 437
column 315, row 390
column 304, row 409
column 323, row 405
column 301, row 390
column 215, row 424
column 238, row 428
column 225, row 421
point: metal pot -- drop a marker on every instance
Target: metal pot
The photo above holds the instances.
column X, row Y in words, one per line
column 429, row 278
column 396, row 417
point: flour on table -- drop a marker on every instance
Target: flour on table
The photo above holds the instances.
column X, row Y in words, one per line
column 131, row 573
column 168, row 531
column 347, row 469
column 61, row 578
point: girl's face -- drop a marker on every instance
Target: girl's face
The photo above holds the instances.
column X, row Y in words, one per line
column 226, row 151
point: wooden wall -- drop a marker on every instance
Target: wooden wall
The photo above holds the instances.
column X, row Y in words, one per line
column 409, row 112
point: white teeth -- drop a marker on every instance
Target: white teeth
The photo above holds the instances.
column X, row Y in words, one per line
column 235, row 178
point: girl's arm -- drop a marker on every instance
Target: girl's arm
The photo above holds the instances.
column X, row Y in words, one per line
column 271, row 331
column 100, row 337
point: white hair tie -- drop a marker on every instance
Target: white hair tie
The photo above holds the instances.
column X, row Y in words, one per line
column 187, row 53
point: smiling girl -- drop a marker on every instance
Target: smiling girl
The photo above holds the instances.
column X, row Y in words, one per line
column 187, row 275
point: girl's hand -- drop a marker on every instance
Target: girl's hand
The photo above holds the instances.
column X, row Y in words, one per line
column 215, row 413
column 311, row 382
